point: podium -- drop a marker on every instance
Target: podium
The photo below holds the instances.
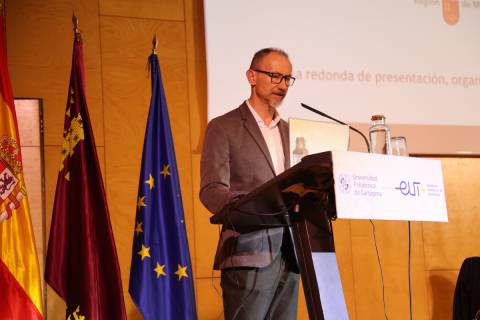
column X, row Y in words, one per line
column 307, row 197
column 302, row 200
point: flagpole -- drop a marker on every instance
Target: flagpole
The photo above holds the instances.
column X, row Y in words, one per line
column 76, row 30
column 155, row 44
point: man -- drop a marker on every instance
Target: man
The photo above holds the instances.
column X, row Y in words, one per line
column 243, row 149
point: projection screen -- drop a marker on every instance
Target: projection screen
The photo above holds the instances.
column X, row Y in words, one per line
column 417, row 62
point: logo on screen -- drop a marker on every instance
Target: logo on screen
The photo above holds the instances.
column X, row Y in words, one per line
column 409, row 188
column 451, row 11
column 450, row 8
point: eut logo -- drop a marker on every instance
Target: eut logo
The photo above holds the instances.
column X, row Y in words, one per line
column 409, row 188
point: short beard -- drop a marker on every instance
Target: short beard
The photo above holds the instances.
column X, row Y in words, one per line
column 275, row 105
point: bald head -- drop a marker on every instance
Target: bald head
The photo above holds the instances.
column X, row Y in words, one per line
column 261, row 54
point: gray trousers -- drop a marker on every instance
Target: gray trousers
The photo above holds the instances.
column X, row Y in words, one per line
column 260, row 293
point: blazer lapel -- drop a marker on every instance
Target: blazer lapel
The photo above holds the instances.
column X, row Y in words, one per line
column 253, row 129
column 283, row 126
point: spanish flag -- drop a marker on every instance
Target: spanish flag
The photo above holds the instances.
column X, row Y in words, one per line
column 20, row 288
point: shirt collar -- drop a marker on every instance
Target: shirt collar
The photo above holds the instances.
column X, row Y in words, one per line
column 275, row 120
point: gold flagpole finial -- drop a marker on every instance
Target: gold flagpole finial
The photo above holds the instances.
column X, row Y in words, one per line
column 75, row 24
column 155, row 44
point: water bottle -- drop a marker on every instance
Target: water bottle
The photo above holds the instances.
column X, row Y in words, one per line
column 379, row 136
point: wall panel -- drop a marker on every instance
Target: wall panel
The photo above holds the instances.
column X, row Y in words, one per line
column 448, row 244
column 39, row 42
column 171, row 10
column 209, row 299
column 392, row 243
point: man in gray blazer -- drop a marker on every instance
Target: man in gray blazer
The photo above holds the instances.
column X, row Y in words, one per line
column 243, row 149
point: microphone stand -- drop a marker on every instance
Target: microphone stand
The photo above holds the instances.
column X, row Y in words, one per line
column 338, row 121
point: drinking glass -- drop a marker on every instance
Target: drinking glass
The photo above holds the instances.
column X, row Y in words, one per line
column 399, row 146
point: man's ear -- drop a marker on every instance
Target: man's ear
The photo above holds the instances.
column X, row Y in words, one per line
column 251, row 77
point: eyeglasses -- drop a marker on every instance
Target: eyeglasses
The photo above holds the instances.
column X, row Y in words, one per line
column 276, row 78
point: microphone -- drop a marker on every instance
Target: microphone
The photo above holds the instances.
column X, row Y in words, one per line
column 337, row 121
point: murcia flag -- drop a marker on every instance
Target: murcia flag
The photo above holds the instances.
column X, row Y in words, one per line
column 82, row 265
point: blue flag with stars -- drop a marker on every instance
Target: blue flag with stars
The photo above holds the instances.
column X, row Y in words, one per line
column 161, row 279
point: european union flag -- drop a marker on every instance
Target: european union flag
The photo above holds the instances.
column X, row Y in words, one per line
column 161, row 279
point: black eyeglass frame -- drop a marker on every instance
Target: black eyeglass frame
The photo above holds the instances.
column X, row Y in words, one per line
column 276, row 75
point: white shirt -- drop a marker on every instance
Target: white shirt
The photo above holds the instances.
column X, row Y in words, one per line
column 271, row 135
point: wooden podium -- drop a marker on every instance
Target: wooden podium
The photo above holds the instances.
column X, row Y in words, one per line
column 301, row 199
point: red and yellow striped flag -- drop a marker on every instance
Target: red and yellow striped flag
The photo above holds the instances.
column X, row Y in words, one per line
column 20, row 287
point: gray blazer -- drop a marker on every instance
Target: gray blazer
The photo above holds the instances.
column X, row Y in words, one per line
column 235, row 160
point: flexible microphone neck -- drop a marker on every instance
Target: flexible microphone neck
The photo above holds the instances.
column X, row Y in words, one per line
column 337, row 121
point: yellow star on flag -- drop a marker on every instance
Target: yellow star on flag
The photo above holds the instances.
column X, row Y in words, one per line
column 141, row 202
column 165, row 171
column 144, row 252
column 181, row 272
column 159, row 270
column 150, row 182
column 138, row 228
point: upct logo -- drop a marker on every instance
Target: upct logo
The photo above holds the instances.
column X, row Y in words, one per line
column 345, row 183
column 408, row 188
